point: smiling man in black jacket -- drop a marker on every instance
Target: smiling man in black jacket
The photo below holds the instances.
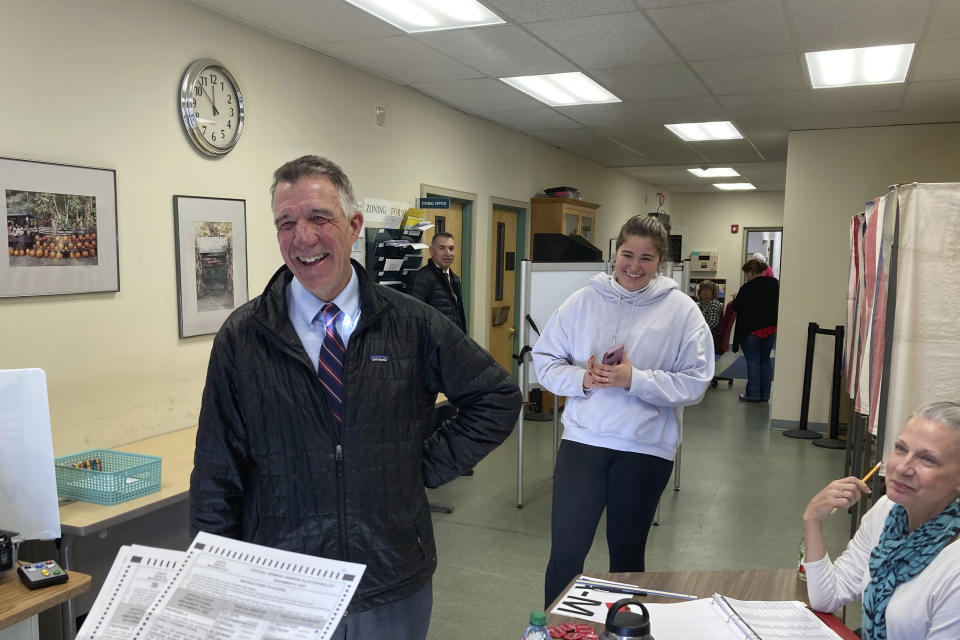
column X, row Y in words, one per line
column 316, row 427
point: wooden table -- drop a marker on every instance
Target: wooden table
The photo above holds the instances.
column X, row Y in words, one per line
column 745, row 584
column 20, row 603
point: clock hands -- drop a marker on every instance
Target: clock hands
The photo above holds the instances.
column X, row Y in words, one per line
column 213, row 104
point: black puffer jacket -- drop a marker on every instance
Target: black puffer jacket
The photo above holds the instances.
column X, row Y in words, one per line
column 429, row 285
column 270, row 467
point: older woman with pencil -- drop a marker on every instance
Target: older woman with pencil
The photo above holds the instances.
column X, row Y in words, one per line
column 904, row 559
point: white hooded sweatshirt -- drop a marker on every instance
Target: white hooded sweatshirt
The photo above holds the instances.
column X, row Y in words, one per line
column 668, row 343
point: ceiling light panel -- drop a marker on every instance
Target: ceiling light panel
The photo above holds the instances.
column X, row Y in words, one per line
column 734, row 186
column 854, row 67
column 715, row 172
column 417, row 16
column 562, row 89
column 699, row 131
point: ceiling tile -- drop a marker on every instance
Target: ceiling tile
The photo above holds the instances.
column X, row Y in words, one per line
column 936, row 101
column 564, row 138
column 652, row 143
column 821, row 25
column 400, row 58
column 944, row 20
column 537, row 10
column 717, row 151
column 531, row 119
column 498, row 51
column 306, row 22
column 725, row 29
column 651, row 82
column 607, row 153
column 937, row 60
column 613, row 40
column 606, row 115
column 881, row 97
column 482, row 95
column 659, row 4
column 764, row 74
column 764, row 106
column 684, row 110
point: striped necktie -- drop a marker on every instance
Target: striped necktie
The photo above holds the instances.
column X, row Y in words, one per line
column 332, row 353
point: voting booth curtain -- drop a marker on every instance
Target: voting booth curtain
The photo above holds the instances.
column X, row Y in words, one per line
column 903, row 339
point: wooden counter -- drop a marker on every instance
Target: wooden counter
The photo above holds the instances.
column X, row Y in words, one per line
column 20, row 603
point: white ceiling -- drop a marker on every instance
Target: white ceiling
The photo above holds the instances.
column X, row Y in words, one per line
column 668, row 60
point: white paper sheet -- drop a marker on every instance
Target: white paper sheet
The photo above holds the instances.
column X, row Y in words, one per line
column 230, row 589
column 725, row 618
column 28, row 484
column 137, row 578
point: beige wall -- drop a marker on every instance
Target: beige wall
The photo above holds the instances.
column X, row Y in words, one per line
column 704, row 219
column 95, row 83
column 830, row 175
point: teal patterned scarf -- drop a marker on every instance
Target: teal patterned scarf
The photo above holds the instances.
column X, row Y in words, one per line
column 898, row 557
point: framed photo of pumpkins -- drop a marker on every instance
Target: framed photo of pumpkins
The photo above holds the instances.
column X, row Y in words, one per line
column 61, row 224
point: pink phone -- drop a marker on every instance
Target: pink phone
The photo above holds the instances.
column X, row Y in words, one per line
column 614, row 355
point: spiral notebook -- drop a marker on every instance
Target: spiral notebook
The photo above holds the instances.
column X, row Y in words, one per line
column 722, row 618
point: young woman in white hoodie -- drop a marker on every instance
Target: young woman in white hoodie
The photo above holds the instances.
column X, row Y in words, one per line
column 622, row 422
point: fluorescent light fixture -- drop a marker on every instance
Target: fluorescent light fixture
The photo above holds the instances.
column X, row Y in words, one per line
column 416, row 16
column 854, row 67
column 698, row 131
column 734, row 186
column 715, row 172
column 562, row 89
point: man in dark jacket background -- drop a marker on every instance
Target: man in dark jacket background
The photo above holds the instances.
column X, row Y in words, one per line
column 437, row 284
column 316, row 430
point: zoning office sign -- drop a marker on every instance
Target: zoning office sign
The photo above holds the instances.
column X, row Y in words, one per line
column 433, row 203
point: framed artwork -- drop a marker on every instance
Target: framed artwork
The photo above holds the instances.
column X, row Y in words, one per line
column 211, row 247
column 61, row 225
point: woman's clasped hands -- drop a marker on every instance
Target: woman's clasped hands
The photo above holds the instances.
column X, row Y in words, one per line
column 606, row 376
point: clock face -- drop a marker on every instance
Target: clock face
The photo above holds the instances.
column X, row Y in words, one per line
column 212, row 107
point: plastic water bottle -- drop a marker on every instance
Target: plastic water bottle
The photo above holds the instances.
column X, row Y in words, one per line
column 538, row 627
column 801, row 551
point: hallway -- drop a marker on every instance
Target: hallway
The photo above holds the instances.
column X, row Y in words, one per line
column 742, row 491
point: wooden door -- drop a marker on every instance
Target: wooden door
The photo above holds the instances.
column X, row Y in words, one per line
column 504, row 264
column 451, row 221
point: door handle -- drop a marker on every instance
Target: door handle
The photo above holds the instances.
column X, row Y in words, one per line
column 511, row 331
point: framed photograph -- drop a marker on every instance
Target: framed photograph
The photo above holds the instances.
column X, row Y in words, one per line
column 211, row 246
column 61, row 224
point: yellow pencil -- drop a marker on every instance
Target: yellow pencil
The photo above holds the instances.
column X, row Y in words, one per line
column 869, row 475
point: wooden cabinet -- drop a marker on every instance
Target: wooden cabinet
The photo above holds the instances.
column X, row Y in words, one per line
column 564, row 215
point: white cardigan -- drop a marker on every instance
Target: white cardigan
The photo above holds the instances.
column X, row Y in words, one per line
column 924, row 608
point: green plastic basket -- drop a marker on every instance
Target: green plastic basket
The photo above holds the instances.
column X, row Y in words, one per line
column 125, row 476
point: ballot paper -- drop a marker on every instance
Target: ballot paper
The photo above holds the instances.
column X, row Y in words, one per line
column 221, row 588
column 138, row 576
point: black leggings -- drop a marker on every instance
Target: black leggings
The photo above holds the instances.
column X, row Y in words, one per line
column 586, row 480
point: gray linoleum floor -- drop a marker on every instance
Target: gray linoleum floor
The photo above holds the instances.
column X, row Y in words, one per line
column 743, row 488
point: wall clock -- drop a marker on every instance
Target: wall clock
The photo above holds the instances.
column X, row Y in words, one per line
column 211, row 106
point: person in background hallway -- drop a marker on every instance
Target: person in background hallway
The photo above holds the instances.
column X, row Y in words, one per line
column 436, row 284
column 316, row 426
column 622, row 421
column 768, row 272
column 756, row 328
column 710, row 307
column 904, row 560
